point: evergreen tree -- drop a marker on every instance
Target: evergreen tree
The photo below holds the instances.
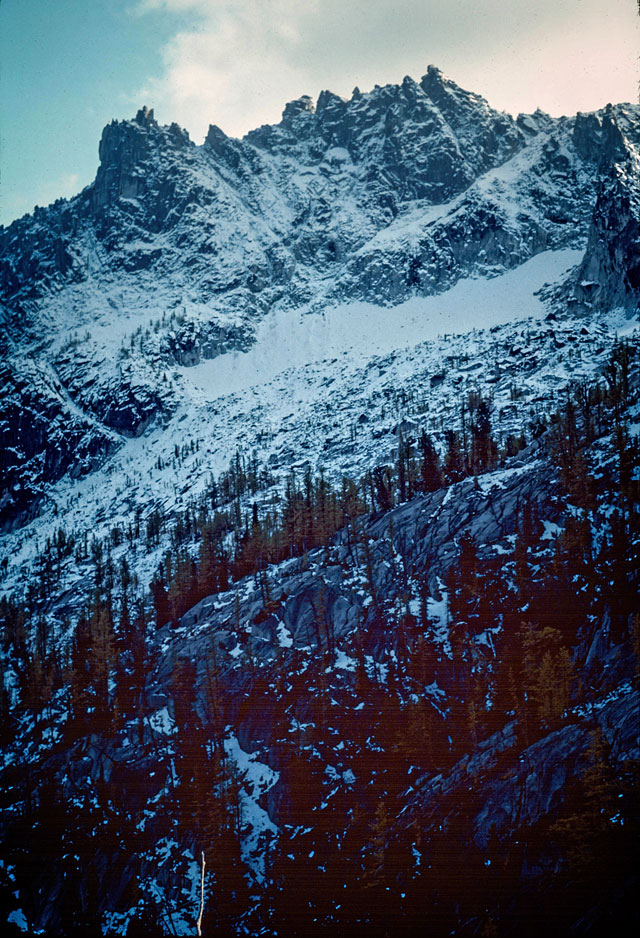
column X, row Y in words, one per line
column 430, row 470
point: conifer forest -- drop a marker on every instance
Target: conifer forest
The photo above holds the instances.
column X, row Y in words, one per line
column 320, row 529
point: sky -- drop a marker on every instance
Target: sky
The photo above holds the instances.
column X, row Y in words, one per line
column 68, row 67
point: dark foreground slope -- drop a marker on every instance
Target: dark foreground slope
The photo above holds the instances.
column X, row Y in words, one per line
column 410, row 705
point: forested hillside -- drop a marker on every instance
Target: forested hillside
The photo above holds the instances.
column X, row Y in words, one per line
column 320, row 519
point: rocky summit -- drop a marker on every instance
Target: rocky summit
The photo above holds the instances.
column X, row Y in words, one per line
column 321, row 527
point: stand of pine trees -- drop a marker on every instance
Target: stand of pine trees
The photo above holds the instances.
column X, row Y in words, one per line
column 76, row 825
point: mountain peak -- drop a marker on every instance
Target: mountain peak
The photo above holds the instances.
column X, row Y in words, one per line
column 145, row 117
column 434, row 72
column 436, row 84
column 215, row 137
column 301, row 105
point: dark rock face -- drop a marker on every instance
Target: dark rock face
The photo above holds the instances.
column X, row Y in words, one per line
column 37, row 252
column 314, row 603
column 192, row 342
column 294, row 108
column 121, row 400
column 42, row 438
column 610, row 272
column 587, row 136
column 127, row 153
column 517, row 798
column 486, row 137
column 129, row 410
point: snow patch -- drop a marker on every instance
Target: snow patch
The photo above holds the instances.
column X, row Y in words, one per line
column 293, row 338
column 257, row 779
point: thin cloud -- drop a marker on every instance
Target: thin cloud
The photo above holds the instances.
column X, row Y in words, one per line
column 237, row 63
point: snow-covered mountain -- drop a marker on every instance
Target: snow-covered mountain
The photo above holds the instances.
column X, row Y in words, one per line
column 177, row 252
column 257, row 399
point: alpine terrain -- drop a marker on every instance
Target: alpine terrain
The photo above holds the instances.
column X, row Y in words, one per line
column 320, row 550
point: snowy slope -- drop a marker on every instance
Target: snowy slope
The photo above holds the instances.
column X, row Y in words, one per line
column 330, row 389
column 176, row 254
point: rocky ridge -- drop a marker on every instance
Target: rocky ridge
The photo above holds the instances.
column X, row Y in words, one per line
column 394, row 193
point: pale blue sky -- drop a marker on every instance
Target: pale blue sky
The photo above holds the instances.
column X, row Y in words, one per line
column 67, row 67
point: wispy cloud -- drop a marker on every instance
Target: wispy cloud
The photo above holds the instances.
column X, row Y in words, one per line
column 235, row 66
column 236, row 62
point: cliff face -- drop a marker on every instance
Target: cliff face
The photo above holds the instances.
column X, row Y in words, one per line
column 44, row 436
column 610, row 266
